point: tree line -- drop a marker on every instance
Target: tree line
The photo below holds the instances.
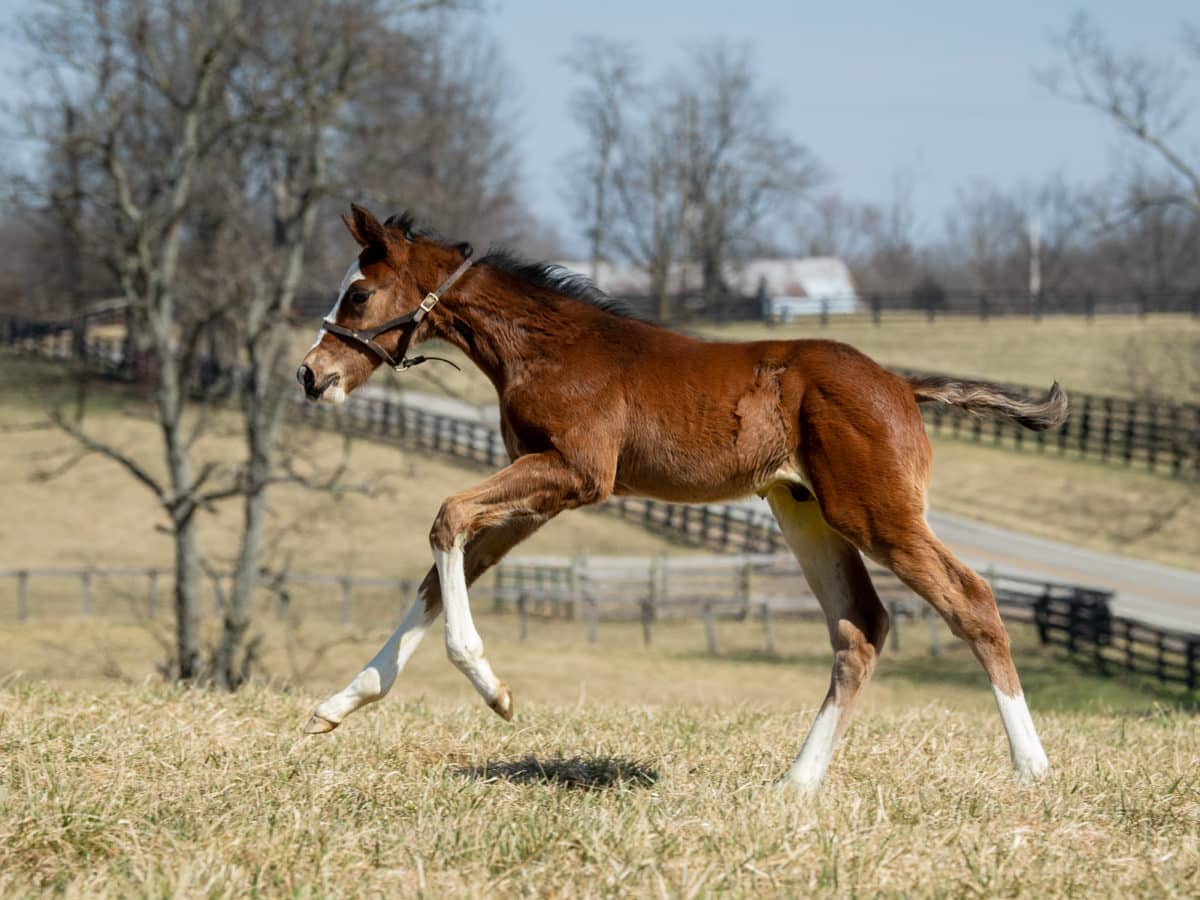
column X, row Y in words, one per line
column 189, row 158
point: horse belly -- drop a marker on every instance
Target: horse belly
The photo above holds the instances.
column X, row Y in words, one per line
column 708, row 465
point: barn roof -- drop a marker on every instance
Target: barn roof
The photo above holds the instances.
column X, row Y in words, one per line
column 814, row 276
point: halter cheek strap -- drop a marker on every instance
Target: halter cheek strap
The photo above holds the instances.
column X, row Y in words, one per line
column 408, row 322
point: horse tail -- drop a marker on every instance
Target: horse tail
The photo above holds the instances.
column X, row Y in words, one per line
column 981, row 397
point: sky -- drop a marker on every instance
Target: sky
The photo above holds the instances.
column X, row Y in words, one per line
column 938, row 92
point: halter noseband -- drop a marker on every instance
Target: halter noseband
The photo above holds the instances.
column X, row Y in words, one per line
column 409, row 322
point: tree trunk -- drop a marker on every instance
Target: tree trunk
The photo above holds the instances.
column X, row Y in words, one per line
column 188, row 597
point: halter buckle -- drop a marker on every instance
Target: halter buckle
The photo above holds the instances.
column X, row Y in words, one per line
column 430, row 301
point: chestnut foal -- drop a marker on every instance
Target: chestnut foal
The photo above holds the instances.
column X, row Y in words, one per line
column 593, row 403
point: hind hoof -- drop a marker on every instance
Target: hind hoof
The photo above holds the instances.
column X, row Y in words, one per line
column 318, row 725
column 503, row 704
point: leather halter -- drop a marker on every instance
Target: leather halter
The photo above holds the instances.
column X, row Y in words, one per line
column 409, row 322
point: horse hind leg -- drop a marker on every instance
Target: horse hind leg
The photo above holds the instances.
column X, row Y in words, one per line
column 966, row 602
column 857, row 623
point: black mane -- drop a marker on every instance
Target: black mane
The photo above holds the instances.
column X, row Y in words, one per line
column 558, row 279
column 547, row 276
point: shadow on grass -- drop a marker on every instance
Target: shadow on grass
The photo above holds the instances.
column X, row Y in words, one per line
column 577, row 772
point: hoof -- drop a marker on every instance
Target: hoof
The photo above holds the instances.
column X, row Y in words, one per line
column 503, row 703
column 317, row 725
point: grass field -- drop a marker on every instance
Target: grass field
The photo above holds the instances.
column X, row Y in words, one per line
column 627, row 772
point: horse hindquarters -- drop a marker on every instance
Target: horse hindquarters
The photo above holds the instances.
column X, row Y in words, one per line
column 869, row 476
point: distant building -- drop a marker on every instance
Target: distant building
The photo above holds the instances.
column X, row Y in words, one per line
column 786, row 288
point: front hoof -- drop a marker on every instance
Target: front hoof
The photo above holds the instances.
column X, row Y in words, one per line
column 318, row 725
column 503, row 704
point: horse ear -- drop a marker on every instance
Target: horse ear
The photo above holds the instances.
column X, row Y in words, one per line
column 364, row 227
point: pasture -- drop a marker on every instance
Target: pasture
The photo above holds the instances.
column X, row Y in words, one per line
column 626, row 771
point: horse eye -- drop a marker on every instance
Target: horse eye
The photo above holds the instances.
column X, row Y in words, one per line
column 358, row 298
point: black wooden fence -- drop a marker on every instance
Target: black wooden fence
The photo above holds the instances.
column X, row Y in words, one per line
column 1078, row 619
column 1138, row 433
column 1159, row 437
column 758, row 587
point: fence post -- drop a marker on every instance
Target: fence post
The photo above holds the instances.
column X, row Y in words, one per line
column 710, row 628
column 649, row 601
column 985, row 307
column 1127, row 452
column 893, row 611
column 22, row 596
column 85, row 591
column 344, row 612
column 876, row 309
column 578, row 567
column 1089, row 306
column 1193, row 654
column 935, row 631
column 744, row 584
column 593, row 617
column 768, row 628
column 498, row 590
column 522, row 617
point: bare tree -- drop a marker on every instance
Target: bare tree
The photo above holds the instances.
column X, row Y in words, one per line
column 208, row 135
column 690, row 167
column 608, row 72
column 834, row 226
column 1142, row 97
column 741, row 172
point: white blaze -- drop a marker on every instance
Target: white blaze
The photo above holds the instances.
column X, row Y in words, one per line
column 353, row 274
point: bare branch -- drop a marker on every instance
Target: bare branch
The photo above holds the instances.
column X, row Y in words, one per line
column 93, row 445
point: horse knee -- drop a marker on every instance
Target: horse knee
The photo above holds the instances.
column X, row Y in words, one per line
column 463, row 650
column 449, row 526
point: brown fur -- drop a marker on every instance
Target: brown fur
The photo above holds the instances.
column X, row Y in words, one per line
column 593, row 404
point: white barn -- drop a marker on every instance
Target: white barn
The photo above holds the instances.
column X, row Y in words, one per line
column 790, row 287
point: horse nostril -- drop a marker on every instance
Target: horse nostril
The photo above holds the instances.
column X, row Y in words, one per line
column 307, row 379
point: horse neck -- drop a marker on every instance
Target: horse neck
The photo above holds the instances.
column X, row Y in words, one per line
column 497, row 322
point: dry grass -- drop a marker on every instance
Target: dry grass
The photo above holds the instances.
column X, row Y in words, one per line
column 626, row 772
column 95, row 513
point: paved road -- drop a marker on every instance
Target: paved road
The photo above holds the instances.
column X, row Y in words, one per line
column 1153, row 593
column 1156, row 594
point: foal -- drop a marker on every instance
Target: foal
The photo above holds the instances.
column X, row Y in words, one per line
column 594, row 403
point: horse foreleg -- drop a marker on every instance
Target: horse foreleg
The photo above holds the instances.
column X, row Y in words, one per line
column 377, row 677
column 511, row 505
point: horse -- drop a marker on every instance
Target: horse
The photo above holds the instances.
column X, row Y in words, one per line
column 595, row 402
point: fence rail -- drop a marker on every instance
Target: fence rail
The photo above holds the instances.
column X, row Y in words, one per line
column 771, row 586
column 652, row 590
column 1159, row 437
